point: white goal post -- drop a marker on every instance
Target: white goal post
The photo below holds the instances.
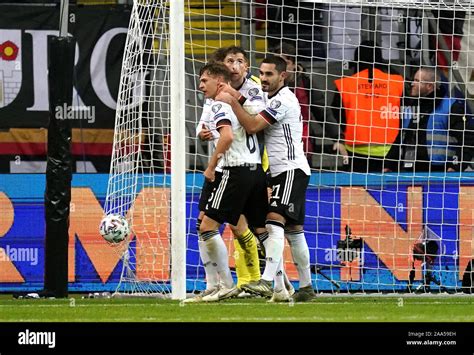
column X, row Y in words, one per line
column 157, row 160
column 178, row 145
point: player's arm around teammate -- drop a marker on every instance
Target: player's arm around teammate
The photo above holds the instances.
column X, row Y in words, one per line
column 246, row 254
column 237, row 192
column 281, row 122
column 247, row 265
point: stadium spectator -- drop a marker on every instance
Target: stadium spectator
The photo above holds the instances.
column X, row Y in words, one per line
column 300, row 83
column 367, row 104
column 436, row 134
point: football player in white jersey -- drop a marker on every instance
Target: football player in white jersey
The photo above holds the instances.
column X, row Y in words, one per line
column 241, row 189
column 206, row 131
column 290, row 173
column 246, row 257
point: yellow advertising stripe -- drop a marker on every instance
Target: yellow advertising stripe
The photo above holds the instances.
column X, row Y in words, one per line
column 24, row 135
column 93, row 135
column 40, row 135
column 216, row 25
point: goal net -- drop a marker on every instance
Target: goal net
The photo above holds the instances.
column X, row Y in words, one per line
column 385, row 89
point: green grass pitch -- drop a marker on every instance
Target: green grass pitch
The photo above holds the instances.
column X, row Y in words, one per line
column 324, row 309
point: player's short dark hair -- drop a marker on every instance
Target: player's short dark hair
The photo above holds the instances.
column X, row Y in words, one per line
column 236, row 50
column 218, row 55
column 280, row 64
column 286, row 49
column 216, row 69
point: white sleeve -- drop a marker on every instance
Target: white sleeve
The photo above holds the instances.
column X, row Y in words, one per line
column 254, row 102
column 275, row 111
column 221, row 116
column 205, row 117
column 253, row 109
column 200, row 124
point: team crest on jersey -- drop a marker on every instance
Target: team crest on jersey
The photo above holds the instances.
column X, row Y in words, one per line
column 275, row 104
column 253, row 92
column 216, row 108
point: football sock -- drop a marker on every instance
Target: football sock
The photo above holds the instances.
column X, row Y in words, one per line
column 248, row 244
column 274, row 246
column 243, row 275
column 279, row 278
column 286, row 280
column 217, row 252
column 300, row 253
column 212, row 277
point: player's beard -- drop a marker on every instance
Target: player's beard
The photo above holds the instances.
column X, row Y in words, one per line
column 269, row 87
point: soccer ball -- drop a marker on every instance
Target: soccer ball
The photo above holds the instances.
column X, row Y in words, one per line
column 114, row 228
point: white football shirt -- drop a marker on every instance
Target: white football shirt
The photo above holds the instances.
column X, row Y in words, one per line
column 244, row 150
column 253, row 94
column 284, row 136
column 254, row 103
